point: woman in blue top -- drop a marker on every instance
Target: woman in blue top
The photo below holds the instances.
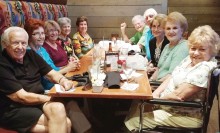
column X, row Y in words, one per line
column 36, row 33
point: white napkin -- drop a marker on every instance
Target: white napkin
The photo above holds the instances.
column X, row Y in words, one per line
column 58, row 89
column 137, row 62
column 133, row 74
column 129, row 86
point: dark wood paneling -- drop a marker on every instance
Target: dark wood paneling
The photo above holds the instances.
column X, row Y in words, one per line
column 193, row 3
column 196, row 10
column 114, row 2
column 102, row 21
column 107, row 10
column 105, row 17
column 99, row 33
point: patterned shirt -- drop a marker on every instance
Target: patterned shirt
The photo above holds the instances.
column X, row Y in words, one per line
column 82, row 44
column 67, row 45
column 196, row 75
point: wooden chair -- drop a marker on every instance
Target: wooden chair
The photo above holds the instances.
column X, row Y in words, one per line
column 206, row 107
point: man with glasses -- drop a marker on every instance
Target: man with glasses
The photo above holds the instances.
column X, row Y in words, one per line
column 24, row 108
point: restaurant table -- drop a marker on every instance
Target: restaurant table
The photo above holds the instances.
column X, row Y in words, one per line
column 142, row 92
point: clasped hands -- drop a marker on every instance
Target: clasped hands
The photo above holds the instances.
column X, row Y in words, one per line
column 74, row 63
column 66, row 84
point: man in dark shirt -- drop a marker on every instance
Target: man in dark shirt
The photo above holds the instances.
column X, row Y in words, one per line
column 24, row 108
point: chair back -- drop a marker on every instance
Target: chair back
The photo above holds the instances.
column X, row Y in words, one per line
column 213, row 85
column 212, row 91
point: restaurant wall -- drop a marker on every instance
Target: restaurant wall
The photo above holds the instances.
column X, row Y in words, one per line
column 198, row 12
column 105, row 16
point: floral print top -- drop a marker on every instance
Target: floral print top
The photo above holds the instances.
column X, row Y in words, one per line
column 67, row 45
column 198, row 76
column 82, row 44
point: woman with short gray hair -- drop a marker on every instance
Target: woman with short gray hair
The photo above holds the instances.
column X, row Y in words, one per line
column 64, row 40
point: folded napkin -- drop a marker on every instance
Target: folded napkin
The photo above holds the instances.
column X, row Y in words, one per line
column 112, row 80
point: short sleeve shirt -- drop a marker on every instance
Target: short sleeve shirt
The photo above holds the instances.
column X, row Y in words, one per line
column 43, row 53
column 15, row 76
column 198, row 76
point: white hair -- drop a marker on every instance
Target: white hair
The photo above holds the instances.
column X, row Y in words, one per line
column 5, row 36
column 150, row 11
column 64, row 20
column 138, row 17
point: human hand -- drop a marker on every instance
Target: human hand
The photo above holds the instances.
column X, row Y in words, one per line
column 151, row 70
column 72, row 66
column 172, row 96
column 72, row 58
column 123, row 26
column 67, row 84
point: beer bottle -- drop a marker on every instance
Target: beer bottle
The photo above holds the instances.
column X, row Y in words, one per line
column 110, row 47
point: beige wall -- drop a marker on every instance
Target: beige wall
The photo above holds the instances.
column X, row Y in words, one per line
column 105, row 16
column 198, row 12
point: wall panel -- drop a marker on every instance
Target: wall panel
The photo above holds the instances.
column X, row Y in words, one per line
column 105, row 17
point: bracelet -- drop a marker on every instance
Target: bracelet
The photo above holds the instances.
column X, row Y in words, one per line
column 60, row 79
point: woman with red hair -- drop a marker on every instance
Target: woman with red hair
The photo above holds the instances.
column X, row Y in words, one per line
column 35, row 30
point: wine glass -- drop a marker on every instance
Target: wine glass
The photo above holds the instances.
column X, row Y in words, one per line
column 123, row 54
column 128, row 72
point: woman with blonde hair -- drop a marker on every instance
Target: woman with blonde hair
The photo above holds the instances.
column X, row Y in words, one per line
column 174, row 52
column 157, row 43
column 188, row 82
column 56, row 51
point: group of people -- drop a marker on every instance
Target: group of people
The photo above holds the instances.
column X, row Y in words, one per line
column 36, row 56
column 182, row 65
column 33, row 59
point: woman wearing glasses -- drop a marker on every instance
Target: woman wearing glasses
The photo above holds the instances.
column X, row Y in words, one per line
column 174, row 52
column 56, row 51
column 159, row 41
column 35, row 30
column 188, row 82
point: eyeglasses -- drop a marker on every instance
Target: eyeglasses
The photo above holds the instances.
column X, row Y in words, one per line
column 38, row 34
column 18, row 43
column 52, row 30
column 156, row 28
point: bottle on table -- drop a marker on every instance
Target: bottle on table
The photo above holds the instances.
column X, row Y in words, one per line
column 110, row 47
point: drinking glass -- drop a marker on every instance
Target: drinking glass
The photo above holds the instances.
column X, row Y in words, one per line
column 123, row 54
column 127, row 71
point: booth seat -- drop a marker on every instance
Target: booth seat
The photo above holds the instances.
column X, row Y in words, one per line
column 14, row 13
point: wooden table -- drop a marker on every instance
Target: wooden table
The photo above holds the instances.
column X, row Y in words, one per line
column 143, row 92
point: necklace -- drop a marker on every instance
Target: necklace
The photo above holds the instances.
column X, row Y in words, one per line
column 54, row 45
column 158, row 50
column 158, row 45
